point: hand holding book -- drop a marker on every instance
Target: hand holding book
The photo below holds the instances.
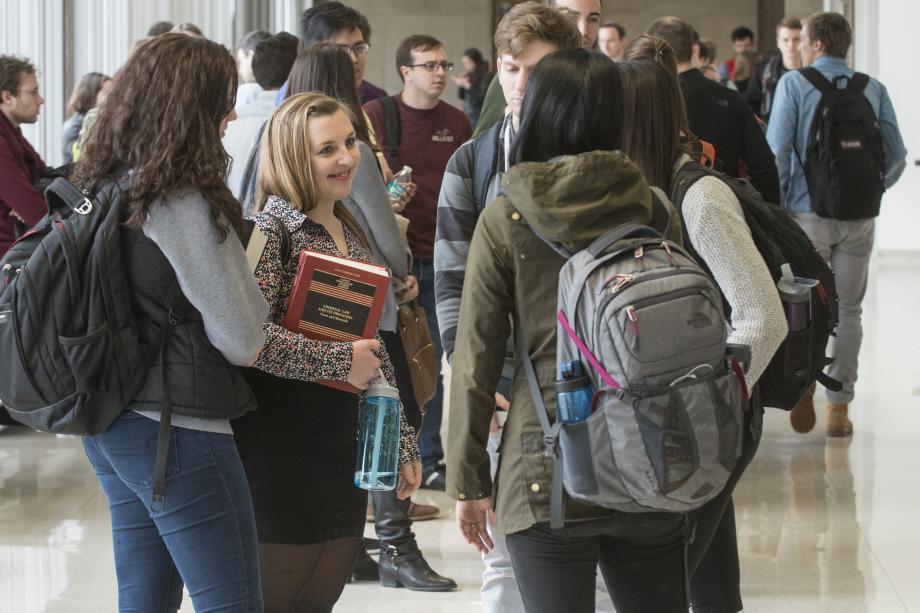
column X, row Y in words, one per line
column 338, row 299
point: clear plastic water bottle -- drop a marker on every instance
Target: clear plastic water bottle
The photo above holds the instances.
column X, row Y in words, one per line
column 574, row 393
column 378, row 438
column 397, row 186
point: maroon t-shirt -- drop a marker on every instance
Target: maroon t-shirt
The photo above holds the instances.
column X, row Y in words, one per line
column 428, row 137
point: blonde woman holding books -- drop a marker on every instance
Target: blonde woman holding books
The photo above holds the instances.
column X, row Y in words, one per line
column 299, row 447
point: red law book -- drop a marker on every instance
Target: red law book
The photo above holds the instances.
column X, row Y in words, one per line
column 336, row 299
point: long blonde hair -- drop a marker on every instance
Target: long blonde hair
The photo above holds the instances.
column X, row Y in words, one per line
column 284, row 157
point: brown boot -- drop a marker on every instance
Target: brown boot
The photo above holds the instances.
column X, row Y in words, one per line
column 802, row 416
column 838, row 424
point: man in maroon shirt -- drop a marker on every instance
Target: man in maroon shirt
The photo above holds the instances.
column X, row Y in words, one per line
column 20, row 165
column 430, row 130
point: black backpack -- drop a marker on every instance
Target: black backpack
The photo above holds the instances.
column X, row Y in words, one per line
column 845, row 163
column 73, row 358
column 800, row 360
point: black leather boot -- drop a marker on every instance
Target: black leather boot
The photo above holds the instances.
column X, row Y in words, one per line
column 401, row 561
column 365, row 568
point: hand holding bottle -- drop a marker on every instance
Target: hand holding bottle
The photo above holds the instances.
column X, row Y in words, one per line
column 364, row 363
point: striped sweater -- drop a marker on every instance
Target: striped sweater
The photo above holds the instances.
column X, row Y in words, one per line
column 459, row 207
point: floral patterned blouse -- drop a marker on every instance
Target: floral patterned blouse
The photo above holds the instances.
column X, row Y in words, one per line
column 292, row 355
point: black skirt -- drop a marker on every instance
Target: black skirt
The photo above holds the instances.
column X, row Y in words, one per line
column 299, row 448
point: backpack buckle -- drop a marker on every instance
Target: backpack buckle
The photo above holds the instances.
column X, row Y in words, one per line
column 84, row 208
column 551, row 442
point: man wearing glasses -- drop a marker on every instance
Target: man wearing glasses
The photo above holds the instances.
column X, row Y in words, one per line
column 429, row 131
column 333, row 22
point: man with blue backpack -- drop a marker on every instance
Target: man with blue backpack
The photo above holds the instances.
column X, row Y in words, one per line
column 838, row 148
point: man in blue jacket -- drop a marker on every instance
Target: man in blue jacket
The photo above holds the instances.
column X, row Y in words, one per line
column 846, row 244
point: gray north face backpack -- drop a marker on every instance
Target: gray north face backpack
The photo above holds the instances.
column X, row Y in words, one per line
column 665, row 427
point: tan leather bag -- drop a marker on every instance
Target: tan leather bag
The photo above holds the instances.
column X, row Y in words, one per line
column 420, row 351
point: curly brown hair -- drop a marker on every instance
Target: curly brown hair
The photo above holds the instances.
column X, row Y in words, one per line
column 162, row 121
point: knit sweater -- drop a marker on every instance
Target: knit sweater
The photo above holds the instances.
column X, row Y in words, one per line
column 715, row 224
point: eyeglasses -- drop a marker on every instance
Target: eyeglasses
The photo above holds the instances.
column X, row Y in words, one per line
column 433, row 66
column 359, row 50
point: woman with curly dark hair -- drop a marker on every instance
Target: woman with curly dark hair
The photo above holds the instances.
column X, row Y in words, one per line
column 158, row 137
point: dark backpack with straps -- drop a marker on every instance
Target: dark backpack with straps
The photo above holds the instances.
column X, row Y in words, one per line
column 392, row 128
column 800, row 360
column 73, row 358
column 844, row 163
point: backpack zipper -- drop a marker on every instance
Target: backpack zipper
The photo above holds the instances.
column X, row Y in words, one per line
column 631, row 314
column 624, row 279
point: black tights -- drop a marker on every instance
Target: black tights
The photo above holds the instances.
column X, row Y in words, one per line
column 305, row 578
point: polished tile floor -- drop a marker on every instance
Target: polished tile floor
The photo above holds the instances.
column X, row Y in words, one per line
column 825, row 525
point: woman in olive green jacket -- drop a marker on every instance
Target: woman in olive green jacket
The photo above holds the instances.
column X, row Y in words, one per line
column 570, row 187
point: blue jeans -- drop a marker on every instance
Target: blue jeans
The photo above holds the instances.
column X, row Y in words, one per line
column 206, row 534
column 430, row 437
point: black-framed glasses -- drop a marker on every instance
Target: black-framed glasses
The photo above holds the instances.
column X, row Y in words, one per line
column 432, row 66
column 359, row 50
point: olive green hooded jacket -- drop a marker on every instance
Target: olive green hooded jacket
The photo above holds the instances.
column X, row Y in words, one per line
column 571, row 200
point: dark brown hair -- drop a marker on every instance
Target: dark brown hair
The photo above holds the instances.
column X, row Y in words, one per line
column 833, row 30
column 162, row 120
column 83, row 97
column 12, row 69
column 160, row 28
column 530, row 21
column 650, row 48
column 677, row 33
column 188, row 28
column 273, row 58
column 416, row 42
column 327, row 68
column 653, row 111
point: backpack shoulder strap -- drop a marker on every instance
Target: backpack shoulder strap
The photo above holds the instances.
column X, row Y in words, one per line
column 686, row 177
column 550, row 433
column 814, row 76
column 391, row 128
column 285, row 240
column 486, row 152
column 858, row 82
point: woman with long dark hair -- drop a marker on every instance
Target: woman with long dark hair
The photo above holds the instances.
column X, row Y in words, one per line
column 326, row 68
column 657, row 139
column 568, row 185
column 299, row 448
column 159, row 134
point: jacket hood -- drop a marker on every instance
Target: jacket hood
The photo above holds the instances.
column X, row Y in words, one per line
column 574, row 199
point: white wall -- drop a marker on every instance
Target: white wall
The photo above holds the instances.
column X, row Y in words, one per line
column 883, row 33
column 34, row 29
column 103, row 32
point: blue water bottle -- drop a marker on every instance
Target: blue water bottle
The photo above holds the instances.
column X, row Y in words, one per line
column 378, row 438
column 574, row 393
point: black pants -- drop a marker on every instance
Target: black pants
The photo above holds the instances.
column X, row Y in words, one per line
column 643, row 566
column 712, row 557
